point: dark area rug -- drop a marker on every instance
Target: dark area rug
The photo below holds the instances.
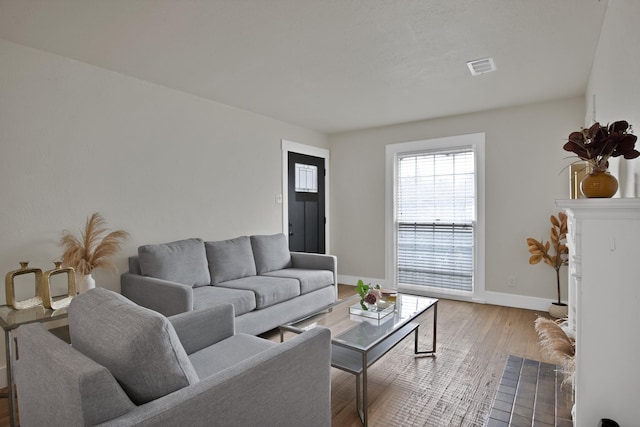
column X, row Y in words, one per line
column 531, row 394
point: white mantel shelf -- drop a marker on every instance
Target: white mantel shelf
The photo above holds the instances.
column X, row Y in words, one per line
column 604, row 307
column 595, row 208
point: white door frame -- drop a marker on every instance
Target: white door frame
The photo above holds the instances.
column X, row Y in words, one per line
column 309, row 150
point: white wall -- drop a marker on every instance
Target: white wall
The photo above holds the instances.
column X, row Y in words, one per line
column 159, row 163
column 524, row 177
column 614, row 84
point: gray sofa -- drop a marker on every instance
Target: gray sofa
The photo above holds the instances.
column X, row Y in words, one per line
column 131, row 366
column 266, row 284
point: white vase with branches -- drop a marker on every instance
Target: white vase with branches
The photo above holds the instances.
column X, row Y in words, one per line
column 92, row 250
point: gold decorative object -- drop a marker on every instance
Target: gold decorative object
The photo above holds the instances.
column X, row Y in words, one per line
column 46, row 286
column 578, row 170
column 389, row 295
column 10, row 292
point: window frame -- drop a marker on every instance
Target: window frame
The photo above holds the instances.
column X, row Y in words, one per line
column 474, row 141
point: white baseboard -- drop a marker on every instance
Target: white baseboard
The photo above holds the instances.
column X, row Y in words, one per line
column 518, row 301
column 489, row 297
column 353, row 281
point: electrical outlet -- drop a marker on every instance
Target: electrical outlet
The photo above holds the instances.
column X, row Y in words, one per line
column 512, row 281
column 278, row 198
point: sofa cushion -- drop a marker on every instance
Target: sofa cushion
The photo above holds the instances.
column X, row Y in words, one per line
column 268, row 290
column 137, row 345
column 183, row 261
column 270, row 252
column 243, row 301
column 226, row 353
column 310, row 280
column 230, row 259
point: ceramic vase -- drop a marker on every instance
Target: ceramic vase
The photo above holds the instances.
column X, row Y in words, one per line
column 599, row 184
column 87, row 282
column 559, row 311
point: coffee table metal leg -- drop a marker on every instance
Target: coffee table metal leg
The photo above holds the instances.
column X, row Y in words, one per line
column 364, row 415
column 361, row 392
column 431, row 352
column 435, row 325
column 358, row 396
column 361, row 406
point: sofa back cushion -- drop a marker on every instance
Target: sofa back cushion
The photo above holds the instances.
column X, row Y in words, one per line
column 230, row 259
column 137, row 345
column 270, row 252
column 183, row 261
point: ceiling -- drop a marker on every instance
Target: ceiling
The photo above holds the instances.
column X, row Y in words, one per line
column 328, row 65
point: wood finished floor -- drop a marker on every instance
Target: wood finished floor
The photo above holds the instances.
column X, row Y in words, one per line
column 456, row 388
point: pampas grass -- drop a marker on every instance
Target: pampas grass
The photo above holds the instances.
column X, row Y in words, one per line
column 557, row 345
column 92, row 250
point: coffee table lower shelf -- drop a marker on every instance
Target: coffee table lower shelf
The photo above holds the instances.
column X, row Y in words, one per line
column 352, row 361
column 357, row 362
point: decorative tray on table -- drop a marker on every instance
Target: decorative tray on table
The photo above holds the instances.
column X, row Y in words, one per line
column 374, row 312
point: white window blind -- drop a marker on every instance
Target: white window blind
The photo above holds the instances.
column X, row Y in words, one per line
column 435, row 210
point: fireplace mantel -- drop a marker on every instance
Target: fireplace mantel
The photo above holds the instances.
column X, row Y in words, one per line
column 604, row 307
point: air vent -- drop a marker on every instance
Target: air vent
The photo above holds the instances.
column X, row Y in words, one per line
column 481, row 66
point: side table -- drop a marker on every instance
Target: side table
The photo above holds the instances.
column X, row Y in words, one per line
column 10, row 320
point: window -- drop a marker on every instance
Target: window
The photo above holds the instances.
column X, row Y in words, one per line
column 306, row 178
column 434, row 214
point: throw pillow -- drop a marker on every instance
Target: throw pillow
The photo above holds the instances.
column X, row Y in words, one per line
column 183, row 261
column 230, row 259
column 270, row 252
column 137, row 345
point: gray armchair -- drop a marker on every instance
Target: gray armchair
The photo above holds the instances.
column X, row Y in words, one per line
column 131, row 366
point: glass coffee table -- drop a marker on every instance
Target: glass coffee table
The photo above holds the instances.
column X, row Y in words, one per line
column 359, row 339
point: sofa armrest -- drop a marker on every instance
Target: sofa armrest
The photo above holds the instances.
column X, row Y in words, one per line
column 314, row 261
column 201, row 328
column 163, row 296
column 288, row 384
column 59, row 385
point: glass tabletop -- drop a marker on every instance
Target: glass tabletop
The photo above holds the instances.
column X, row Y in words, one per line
column 363, row 332
column 11, row 318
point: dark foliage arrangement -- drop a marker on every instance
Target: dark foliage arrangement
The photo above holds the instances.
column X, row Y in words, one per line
column 598, row 143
